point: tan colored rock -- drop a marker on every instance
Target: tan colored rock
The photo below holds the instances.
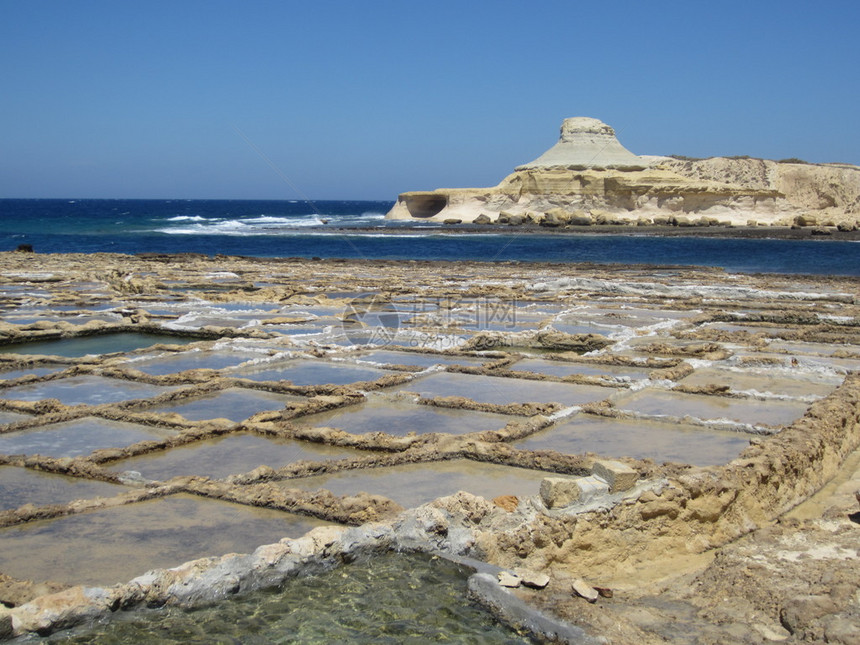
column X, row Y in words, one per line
column 507, row 502
column 805, row 220
column 620, row 477
column 659, row 508
column 589, row 169
column 558, row 492
column 533, row 579
column 5, row 624
column 584, row 590
column 580, row 218
column 508, row 579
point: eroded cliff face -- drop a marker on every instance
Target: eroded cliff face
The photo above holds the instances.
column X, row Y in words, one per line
column 830, row 190
column 589, row 178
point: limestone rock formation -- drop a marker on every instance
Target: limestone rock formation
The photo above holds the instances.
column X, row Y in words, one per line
column 588, row 178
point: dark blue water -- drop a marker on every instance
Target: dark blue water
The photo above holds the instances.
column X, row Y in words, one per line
column 357, row 229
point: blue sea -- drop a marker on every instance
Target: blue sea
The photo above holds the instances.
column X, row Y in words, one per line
column 357, row 229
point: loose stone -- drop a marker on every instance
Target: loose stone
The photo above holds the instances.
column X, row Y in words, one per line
column 585, row 590
column 620, row 477
column 533, row 579
column 508, row 579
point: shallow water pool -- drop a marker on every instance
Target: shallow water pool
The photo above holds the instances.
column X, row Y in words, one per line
column 314, row 373
column 98, row 344
column 229, row 455
column 639, row 438
column 19, row 486
column 392, row 598
column 497, row 390
column 116, row 544
column 235, row 404
column 677, row 404
column 414, row 484
column 90, row 389
column 77, row 438
column 399, row 418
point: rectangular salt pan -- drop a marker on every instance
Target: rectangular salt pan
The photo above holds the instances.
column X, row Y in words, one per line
column 116, row 544
column 711, row 408
column 492, row 389
column 564, row 368
column 235, row 404
column 817, row 386
column 99, row 344
column 639, row 438
column 11, row 417
column 385, row 357
column 190, row 360
column 89, row 390
column 315, row 373
column 19, row 486
column 414, row 484
column 234, row 454
column 77, row 438
column 32, row 371
column 399, row 418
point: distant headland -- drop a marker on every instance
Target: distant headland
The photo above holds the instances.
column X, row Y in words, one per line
column 588, row 178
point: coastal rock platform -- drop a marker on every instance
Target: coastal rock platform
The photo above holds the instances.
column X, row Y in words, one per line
column 703, row 426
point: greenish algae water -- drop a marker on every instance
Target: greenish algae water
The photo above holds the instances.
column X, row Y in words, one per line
column 392, row 598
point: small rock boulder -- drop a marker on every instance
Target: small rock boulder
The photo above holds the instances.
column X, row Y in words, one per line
column 619, row 476
column 558, row 492
column 580, row 218
column 533, row 579
column 805, row 220
column 509, row 580
column 584, row 590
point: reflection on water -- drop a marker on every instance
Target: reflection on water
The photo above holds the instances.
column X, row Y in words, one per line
column 741, row 381
column 19, row 486
column 315, row 373
column 387, row 357
column 90, row 390
column 414, row 484
column 564, row 368
column 99, row 344
column 190, row 361
column 235, row 404
column 399, row 418
column 641, row 439
column 393, row 598
column 223, row 456
column 676, row 404
column 493, row 389
column 77, row 438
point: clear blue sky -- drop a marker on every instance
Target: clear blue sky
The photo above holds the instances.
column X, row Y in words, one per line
column 362, row 100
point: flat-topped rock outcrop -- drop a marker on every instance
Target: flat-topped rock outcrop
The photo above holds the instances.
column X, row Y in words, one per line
column 588, row 177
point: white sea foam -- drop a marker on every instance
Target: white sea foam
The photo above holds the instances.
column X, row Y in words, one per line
column 261, row 225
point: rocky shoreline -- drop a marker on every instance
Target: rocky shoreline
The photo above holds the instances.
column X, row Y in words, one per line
column 820, row 233
column 588, row 178
column 666, row 541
